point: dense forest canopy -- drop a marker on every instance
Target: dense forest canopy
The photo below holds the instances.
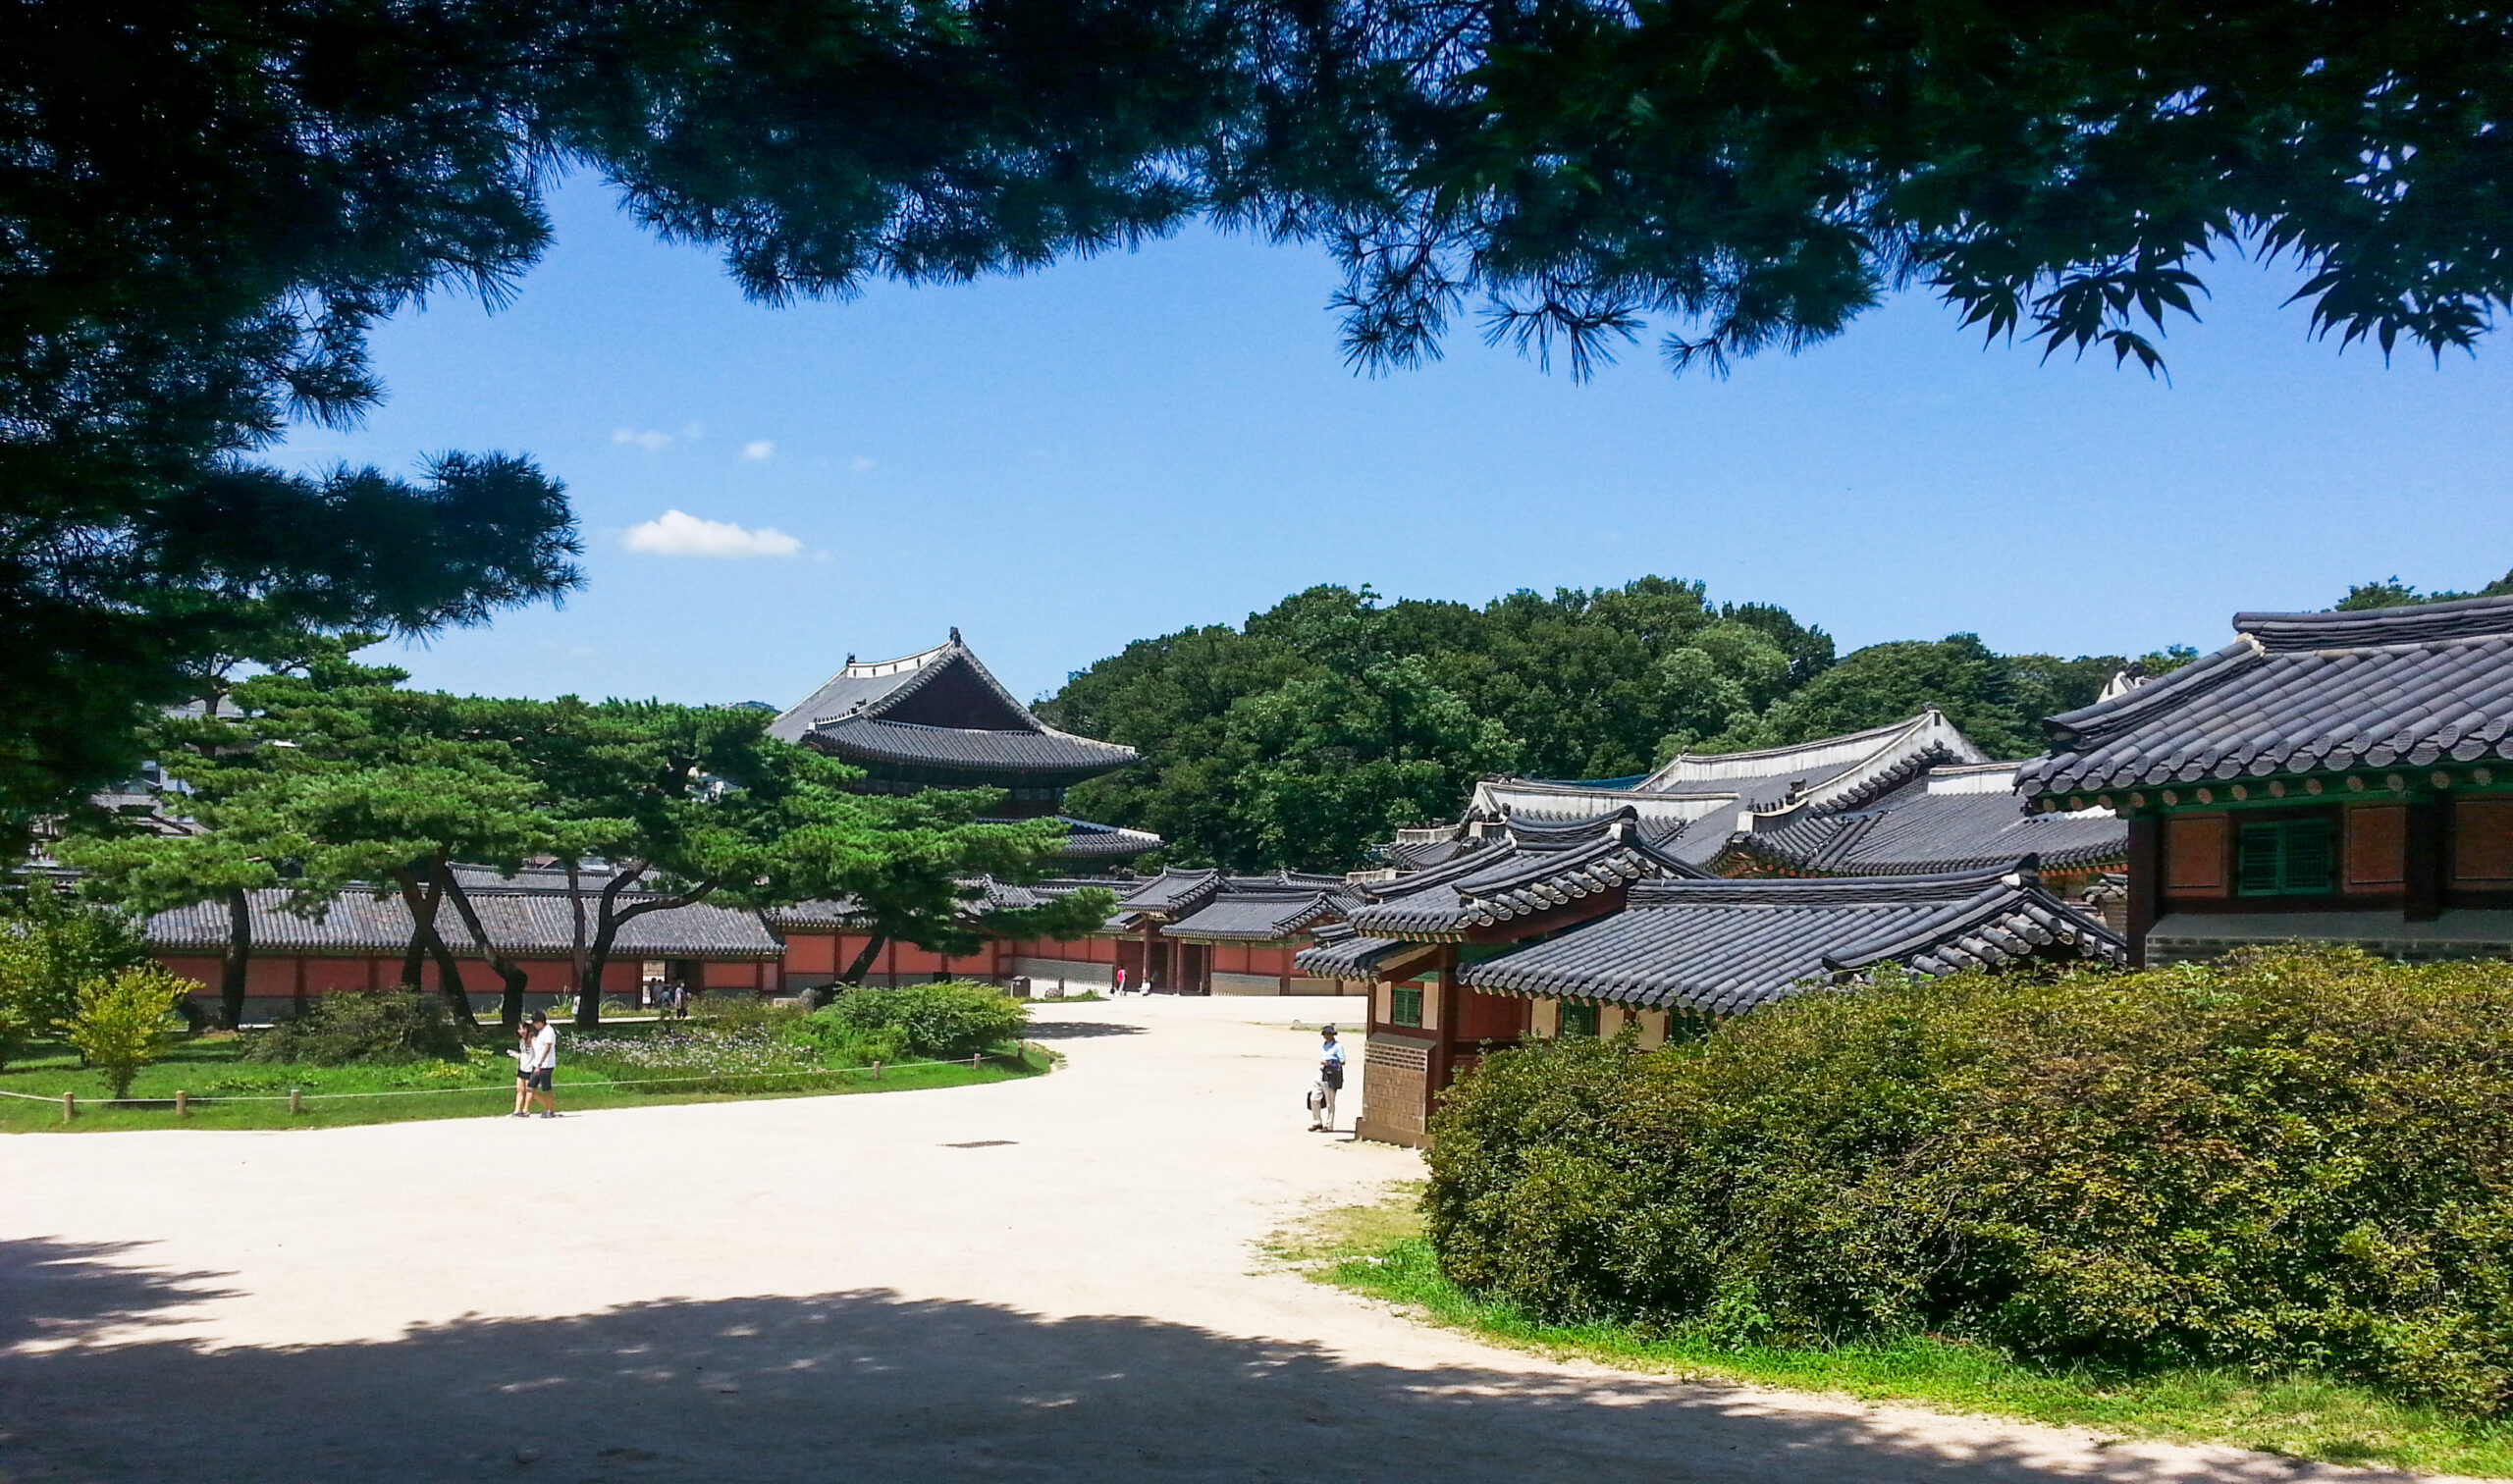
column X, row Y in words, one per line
column 1317, row 728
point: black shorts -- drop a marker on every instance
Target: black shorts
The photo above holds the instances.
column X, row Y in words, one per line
column 537, row 1082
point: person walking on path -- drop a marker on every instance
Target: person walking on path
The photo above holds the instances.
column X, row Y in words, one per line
column 1330, row 1081
column 541, row 1065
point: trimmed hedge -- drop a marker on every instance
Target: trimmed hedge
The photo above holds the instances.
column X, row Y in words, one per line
column 953, row 1019
column 2281, row 1160
column 392, row 1027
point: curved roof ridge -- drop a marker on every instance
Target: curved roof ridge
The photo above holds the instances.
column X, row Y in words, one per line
column 2410, row 624
column 1850, row 748
column 1943, row 885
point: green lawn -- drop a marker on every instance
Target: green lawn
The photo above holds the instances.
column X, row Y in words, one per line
column 1379, row 1251
column 225, row 1092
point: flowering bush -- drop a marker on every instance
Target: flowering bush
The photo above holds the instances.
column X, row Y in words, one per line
column 693, row 1049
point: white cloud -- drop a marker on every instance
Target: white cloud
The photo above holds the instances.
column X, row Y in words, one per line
column 650, row 439
column 763, row 448
column 677, row 533
column 859, row 464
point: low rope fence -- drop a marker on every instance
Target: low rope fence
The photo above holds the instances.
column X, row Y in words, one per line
column 296, row 1097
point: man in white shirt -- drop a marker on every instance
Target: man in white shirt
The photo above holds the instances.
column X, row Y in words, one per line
column 541, row 1064
column 1330, row 1081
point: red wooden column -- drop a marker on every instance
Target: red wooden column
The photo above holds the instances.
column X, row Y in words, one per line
column 2146, row 882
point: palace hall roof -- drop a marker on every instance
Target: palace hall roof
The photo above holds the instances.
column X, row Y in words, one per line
column 1951, row 818
column 1262, row 913
column 939, row 709
column 2301, row 693
column 532, row 921
column 1695, row 802
column 1723, row 945
column 1340, row 953
column 1524, row 869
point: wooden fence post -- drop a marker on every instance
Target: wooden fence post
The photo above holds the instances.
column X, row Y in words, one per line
column 69, row 1107
column 181, row 1109
column 295, row 1105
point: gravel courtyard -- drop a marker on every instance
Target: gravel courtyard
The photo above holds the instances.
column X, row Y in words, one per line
column 1054, row 1278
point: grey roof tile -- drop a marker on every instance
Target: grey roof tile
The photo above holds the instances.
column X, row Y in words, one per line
column 2301, row 693
column 860, row 714
column 1531, row 869
column 529, row 923
column 1946, row 819
column 1725, row 945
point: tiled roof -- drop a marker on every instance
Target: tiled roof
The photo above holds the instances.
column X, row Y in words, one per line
column 1261, row 914
column 1172, row 893
column 1340, row 953
column 1722, row 945
column 1951, row 819
column 1533, row 869
column 850, row 716
column 867, row 739
column 1697, row 801
column 521, row 923
column 2303, row 693
column 1088, row 842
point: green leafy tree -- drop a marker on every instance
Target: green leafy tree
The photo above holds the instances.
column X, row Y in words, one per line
column 1978, row 690
column 20, row 981
column 2391, row 591
column 691, row 804
column 121, row 1019
column 1337, row 762
column 61, row 944
column 1761, row 173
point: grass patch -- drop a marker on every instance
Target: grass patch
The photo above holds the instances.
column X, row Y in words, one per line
column 225, row 1092
column 1379, row 1251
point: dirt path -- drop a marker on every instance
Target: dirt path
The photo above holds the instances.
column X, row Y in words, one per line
column 1049, row 1280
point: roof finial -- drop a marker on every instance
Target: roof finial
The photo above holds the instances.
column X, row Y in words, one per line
column 850, row 656
column 955, row 633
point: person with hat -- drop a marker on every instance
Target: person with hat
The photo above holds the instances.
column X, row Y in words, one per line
column 1330, row 1081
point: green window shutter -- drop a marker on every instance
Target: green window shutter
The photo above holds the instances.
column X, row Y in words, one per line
column 2285, row 858
column 2310, row 858
column 1405, row 1005
column 2259, row 857
column 1579, row 1019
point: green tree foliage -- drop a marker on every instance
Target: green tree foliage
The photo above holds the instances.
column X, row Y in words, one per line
column 2391, row 591
column 121, row 1021
column 1332, row 718
column 333, row 776
column 56, row 945
column 20, row 976
column 1763, row 172
column 946, row 1020
column 204, row 208
column 2283, row 1160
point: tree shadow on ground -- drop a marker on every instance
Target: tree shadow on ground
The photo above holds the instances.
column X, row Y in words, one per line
column 874, row 1386
column 1047, row 1031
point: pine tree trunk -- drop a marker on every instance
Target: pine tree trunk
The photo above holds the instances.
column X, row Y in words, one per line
column 427, row 943
column 233, row 964
column 576, row 955
column 863, row 964
column 510, row 975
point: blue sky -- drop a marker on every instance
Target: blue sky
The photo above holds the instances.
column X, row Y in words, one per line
column 1127, row 446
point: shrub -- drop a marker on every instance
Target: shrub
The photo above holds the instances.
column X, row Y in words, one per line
column 2280, row 1160
column 389, row 1029
column 946, row 1020
column 121, row 1021
column 51, row 946
column 20, row 975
